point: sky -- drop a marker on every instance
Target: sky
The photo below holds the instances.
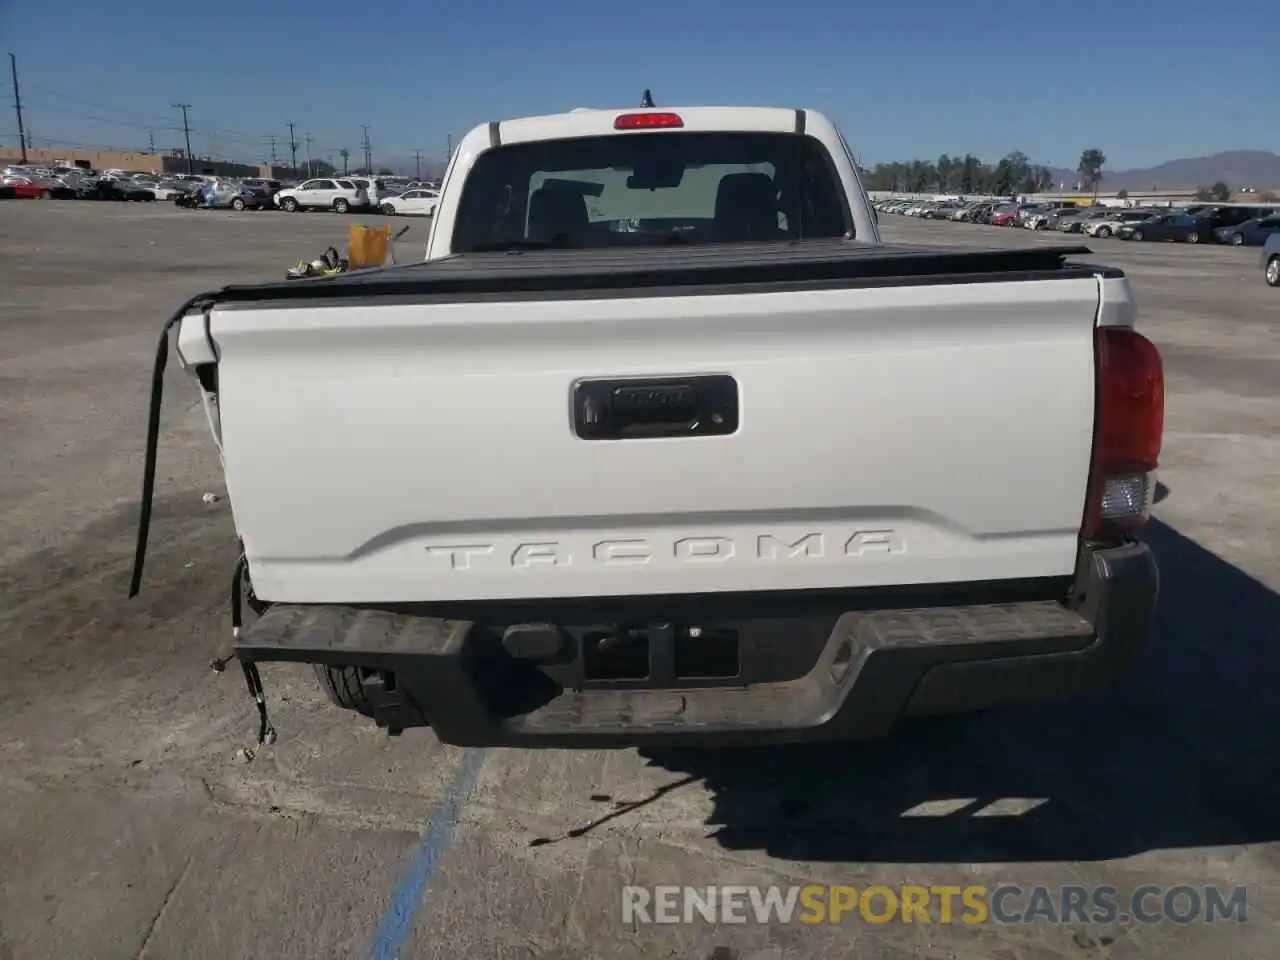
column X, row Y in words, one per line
column 1144, row 82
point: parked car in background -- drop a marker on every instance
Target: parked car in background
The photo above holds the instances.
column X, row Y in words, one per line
column 1251, row 233
column 945, row 210
column 1004, row 216
column 1027, row 211
column 1048, row 219
column 1158, row 226
column 39, row 188
column 254, row 195
column 1271, row 260
column 223, row 194
column 167, row 190
column 260, row 185
column 1109, row 226
column 1077, row 220
column 375, row 189
column 1202, row 226
column 981, row 213
column 115, row 188
column 340, row 195
column 135, row 190
column 411, row 203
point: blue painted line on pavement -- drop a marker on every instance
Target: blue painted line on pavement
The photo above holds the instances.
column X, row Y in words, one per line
column 412, row 890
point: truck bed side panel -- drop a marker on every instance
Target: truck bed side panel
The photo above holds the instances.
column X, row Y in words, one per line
column 888, row 436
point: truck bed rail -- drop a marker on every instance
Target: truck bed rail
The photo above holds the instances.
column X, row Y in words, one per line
column 636, row 271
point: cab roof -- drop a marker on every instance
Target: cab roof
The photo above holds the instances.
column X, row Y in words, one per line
column 591, row 122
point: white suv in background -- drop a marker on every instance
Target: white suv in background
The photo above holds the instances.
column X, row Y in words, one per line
column 337, row 194
column 376, row 188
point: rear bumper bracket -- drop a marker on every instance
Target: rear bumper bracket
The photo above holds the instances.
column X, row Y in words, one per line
column 875, row 667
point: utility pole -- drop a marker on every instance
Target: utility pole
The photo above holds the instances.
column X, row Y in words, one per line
column 273, row 156
column 344, row 153
column 367, row 150
column 293, row 152
column 151, row 139
column 417, row 164
column 308, row 139
column 186, row 133
column 448, row 150
column 17, row 105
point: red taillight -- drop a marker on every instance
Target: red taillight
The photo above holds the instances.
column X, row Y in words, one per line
column 1130, row 429
column 647, row 121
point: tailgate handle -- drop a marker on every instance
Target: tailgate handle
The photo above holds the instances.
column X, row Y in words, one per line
column 626, row 408
column 654, row 404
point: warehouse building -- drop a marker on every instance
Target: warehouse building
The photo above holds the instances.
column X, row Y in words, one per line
column 140, row 162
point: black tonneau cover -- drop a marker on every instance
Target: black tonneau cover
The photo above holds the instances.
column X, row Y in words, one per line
column 659, row 268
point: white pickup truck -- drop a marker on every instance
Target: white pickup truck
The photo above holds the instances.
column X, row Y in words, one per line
column 661, row 443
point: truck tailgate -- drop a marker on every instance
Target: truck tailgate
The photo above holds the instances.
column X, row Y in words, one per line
column 896, row 435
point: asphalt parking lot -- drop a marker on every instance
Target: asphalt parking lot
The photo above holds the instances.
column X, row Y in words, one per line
column 131, row 825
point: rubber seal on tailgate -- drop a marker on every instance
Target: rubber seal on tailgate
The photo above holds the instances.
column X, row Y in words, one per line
column 202, row 302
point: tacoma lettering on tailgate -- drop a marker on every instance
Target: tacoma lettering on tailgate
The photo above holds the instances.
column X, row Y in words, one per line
column 637, row 551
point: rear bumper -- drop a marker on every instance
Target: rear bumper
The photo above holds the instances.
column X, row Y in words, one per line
column 875, row 667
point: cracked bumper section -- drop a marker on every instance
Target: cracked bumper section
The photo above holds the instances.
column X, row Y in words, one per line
column 875, row 667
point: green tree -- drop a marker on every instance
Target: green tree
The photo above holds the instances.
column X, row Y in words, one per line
column 919, row 175
column 1090, row 168
column 1011, row 175
column 1122, row 195
column 1219, row 193
column 946, row 173
column 1020, row 172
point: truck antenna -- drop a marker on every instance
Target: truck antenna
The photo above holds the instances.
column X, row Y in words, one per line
column 647, row 102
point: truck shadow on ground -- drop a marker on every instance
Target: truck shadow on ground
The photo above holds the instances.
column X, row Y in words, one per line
column 1179, row 753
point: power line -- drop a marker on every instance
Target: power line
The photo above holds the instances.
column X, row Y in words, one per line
column 93, row 118
column 215, row 135
column 92, row 111
column 101, row 113
column 79, row 144
column 17, row 105
column 186, row 129
column 149, row 119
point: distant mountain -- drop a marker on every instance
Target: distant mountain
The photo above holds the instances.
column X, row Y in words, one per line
column 1235, row 168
